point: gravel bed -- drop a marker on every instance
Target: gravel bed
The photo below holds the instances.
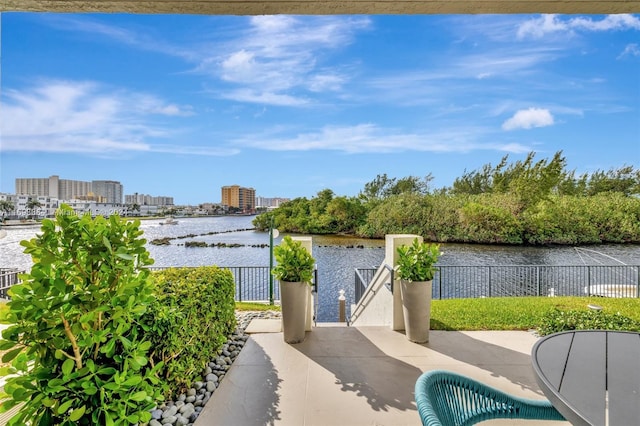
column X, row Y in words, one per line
column 187, row 406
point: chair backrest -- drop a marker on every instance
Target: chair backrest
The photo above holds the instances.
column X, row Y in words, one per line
column 445, row 398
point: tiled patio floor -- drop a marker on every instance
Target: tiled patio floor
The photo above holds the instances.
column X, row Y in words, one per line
column 352, row 376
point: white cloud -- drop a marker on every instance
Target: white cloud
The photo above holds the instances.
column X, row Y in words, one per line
column 149, row 104
column 528, row 118
column 550, row 24
column 83, row 117
column 609, row 23
column 369, row 138
column 537, row 28
column 326, row 82
column 264, row 98
column 278, row 58
column 140, row 38
column 239, row 66
column 631, row 49
column 504, row 62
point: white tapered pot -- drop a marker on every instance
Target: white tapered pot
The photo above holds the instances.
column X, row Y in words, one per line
column 416, row 309
column 293, row 300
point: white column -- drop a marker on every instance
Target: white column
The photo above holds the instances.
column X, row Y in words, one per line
column 307, row 243
column 392, row 242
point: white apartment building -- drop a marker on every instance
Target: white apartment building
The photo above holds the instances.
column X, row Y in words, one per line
column 64, row 189
column 148, row 200
column 25, row 206
column 270, row 202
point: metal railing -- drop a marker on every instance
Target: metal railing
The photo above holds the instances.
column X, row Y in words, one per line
column 252, row 282
column 451, row 281
column 8, row 278
column 363, row 277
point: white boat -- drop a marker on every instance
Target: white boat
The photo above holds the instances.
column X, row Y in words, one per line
column 169, row 221
column 612, row 290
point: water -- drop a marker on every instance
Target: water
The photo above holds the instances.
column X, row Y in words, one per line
column 337, row 257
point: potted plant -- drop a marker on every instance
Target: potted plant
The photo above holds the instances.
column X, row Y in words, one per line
column 415, row 270
column 294, row 271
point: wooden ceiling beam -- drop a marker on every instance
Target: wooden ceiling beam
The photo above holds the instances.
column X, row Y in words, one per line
column 324, row 7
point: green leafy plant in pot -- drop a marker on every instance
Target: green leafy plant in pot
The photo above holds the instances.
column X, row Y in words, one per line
column 415, row 270
column 294, row 271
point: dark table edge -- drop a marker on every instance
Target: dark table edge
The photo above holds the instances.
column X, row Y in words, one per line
column 562, row 405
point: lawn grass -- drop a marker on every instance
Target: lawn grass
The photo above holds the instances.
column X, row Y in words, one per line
column 517, row 313
column 248, row 306
column 502, row 313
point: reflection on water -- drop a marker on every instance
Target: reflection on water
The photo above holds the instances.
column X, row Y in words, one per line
column 336, row 256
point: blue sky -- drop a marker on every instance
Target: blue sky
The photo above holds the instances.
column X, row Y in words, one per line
column 181, row 105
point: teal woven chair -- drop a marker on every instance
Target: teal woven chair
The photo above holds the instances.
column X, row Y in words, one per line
column 445, row 398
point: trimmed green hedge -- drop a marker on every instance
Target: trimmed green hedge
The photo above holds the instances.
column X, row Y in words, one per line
column 191, row 318
column 559, row 320
column 521, row 313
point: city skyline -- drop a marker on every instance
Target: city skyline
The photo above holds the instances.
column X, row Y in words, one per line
column 290, row 105
column 68, row 189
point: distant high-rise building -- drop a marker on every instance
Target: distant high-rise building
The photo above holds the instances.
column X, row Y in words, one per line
column 73, row 189
column 36, row 186
column 148, row 200
column 65, row 189
column 239, row 197
column 270, row 202
column 109, row 190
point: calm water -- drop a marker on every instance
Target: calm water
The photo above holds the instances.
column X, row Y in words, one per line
column 336, row 256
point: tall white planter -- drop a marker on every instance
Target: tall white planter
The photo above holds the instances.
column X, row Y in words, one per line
column 293, row 300
column 416, row 309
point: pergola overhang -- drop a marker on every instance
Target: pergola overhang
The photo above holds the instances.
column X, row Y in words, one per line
column 324, row 7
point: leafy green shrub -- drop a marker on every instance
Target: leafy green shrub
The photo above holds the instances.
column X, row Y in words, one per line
column 561, row 220
column 416, row 262
column 401, row 213
column 190, row 319
column 485, row 223
column 78, row 353
column 295, row 263
column 559, row 320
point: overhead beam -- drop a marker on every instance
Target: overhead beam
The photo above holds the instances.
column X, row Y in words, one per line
column 324, row 7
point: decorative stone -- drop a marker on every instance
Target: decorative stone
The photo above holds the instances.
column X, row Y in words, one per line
column 182, row 421
column 189, row 410
column 171, row 411
column 185, row 409
column 169, row 420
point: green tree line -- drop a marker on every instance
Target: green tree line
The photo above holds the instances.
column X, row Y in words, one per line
column 524, row 202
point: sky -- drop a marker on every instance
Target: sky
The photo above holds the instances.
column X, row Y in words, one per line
column 181, row 105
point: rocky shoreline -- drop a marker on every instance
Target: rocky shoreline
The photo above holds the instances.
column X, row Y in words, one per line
column 188, row 406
